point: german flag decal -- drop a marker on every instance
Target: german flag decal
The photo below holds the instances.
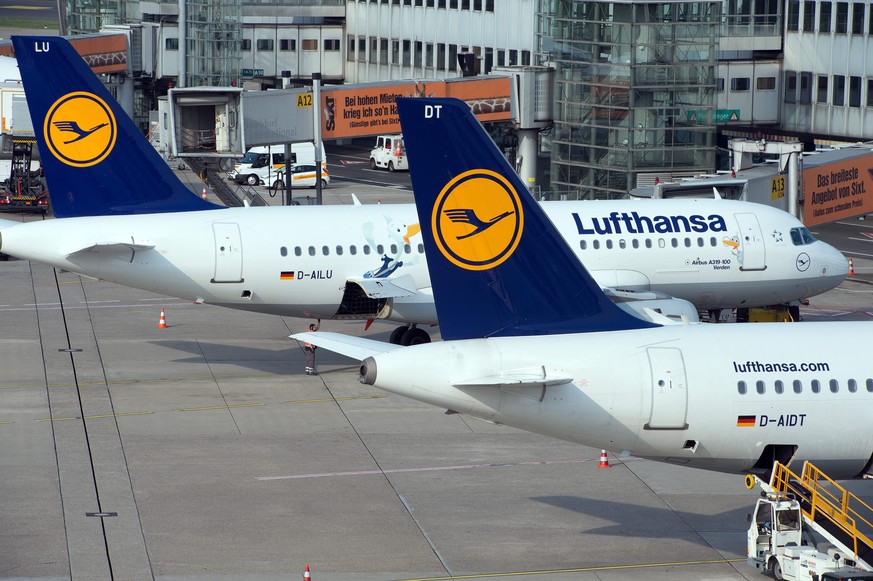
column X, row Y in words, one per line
column 286, row 275
column 745, row 421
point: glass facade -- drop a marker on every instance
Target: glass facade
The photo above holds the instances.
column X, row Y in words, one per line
column 214, row 29
column 634, row 92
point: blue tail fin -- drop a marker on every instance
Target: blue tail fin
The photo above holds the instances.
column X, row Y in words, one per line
column 497, row 264
column 96, row 161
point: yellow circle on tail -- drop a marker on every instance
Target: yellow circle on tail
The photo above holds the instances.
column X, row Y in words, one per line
column 477, row 220
column 80, row 129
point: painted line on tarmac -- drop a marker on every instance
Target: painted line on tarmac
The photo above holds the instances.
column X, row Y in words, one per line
column 425, row 469
column 222, row 407
column 577, row 570
column 331, row 400
column 103, row 416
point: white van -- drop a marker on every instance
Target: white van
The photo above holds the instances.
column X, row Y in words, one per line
column 390, row 153
column 260, row 165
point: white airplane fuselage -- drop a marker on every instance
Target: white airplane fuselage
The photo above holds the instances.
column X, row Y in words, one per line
column 707, row 396
column 298, row 261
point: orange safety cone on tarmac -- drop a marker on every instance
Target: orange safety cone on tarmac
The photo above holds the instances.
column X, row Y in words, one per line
column 604, row 461
column 306, row 573
column 851, row 267
column 162, row 322
column 203, row 195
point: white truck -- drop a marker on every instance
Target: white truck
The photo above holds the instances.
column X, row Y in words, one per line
column 389, row 153
column 782, row 539
column 260, row 165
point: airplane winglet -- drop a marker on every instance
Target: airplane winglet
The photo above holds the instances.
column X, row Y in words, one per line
column 97, row 162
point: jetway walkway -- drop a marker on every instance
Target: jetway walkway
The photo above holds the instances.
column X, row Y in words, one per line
column 830, row 510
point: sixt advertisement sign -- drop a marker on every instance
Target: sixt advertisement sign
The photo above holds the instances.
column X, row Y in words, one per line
column 838, row 190
column 372, row 109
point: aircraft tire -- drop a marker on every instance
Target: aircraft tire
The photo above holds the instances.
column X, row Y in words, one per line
column 415, row 336
column 397, row 335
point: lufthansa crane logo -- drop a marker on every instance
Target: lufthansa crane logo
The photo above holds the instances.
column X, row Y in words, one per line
column 80, row 129
column 477, row 220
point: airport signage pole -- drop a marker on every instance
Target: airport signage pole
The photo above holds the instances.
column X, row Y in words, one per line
column 316, row 108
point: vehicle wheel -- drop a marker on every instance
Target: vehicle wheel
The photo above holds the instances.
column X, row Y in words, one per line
column 776, row 570
column 391, row 166
column 323, row 184
column 372, row 163
column 252, row 180
column 278, row 185
column 415, row 336
column 397, row 335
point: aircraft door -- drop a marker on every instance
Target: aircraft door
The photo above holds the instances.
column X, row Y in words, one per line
column 751, row 253
column 228, row 253
column 669, row 390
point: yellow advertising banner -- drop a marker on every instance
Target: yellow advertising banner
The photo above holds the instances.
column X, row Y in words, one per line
column 373, row 110
column 838, row 190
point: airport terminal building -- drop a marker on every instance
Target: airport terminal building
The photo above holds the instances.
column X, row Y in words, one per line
column 642, row 91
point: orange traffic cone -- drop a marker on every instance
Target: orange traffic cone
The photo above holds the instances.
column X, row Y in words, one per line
column 162, row 322
column 851, row 267
column 604, row 461
column 306, row 573
column 203, row 195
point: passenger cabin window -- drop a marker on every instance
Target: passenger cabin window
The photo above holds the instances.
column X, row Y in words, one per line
column 853, row 386
column 798, row 386
column 759, row 386
column 283, row 251
column 741, row 387
column 778, row 386
column 834, row 385
column 583, row 245
column 298, row 251
column 815, row 385
column 312, row 251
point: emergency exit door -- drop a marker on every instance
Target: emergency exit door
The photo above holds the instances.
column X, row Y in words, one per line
column 669, row 390
column 228, row 253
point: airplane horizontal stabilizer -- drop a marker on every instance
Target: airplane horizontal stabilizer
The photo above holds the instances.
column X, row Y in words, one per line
column 121, row 250
column 384, row 288
column 354, row 347
column 516, row 379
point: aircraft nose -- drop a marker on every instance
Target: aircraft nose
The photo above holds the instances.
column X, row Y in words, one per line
column 833, row 263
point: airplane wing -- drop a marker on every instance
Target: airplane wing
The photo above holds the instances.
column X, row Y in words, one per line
column 384, row 288
column 354, row 347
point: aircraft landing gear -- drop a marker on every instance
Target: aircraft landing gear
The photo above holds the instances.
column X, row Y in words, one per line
column 410, row 335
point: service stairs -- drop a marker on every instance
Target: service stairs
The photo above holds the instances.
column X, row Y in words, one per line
column 830, row 510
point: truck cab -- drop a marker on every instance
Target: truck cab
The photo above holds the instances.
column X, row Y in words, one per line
column 389, row 153
column 779, row 544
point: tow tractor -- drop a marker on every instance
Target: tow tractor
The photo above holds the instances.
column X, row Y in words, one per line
column 809, row 528
column 25, row 189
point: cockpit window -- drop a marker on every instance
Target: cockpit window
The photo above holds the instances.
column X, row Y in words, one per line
column 801, row 236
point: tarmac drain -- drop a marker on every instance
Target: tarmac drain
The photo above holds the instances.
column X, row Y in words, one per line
column 101, row 514
column 70, row 350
